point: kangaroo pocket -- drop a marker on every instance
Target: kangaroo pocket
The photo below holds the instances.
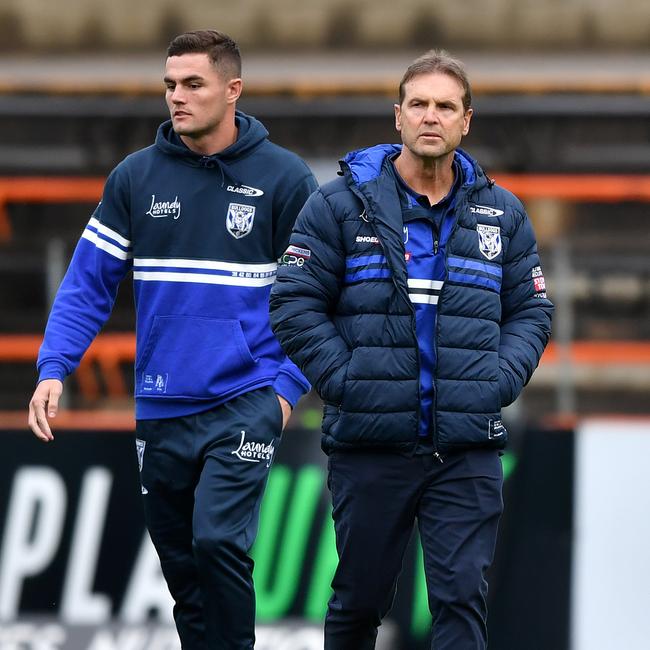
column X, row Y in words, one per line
column 192, row 357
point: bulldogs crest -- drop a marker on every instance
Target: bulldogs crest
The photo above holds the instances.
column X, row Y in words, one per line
column 489, row 240
column 239, row 220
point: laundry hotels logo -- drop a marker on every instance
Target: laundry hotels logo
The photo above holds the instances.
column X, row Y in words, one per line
column 254, row 452
column 161, row 209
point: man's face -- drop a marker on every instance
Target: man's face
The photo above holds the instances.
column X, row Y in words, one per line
column 197, row 95
column 431, row 119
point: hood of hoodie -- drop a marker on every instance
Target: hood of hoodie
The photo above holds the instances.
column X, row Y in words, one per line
column 251, row 134
column 364, row 165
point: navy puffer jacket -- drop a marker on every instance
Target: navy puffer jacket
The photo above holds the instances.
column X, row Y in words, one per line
column 341, row 311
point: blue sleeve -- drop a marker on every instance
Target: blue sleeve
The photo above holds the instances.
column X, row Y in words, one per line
column 87, row 293
column 290, row 382
column 525, row 312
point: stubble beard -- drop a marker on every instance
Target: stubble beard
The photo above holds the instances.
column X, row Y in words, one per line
column 430, row 152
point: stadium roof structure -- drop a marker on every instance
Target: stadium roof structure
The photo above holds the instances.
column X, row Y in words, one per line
column 334, row 74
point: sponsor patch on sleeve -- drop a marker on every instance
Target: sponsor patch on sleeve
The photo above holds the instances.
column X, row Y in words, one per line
column 539, row 284
column 295, row 256
column 496, row 429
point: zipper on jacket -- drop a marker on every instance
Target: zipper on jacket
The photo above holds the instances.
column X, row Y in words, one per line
column 434, row 406
column 365, row 215
column 393, row 276
column 460, row 200
column 417, row 347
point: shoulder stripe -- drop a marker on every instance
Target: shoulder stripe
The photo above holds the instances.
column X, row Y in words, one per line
column 473, row 278
column 367, row 274
column 475, row 265
column 363, row 260
column 97, row 226
column 106, row 246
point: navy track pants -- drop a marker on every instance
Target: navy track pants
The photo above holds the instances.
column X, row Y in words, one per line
column 377, row 498
column 203, row 477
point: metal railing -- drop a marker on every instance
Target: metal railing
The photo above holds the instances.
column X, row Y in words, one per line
column 560, row 364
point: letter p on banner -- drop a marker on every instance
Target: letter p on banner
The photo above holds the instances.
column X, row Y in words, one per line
column 32, row 531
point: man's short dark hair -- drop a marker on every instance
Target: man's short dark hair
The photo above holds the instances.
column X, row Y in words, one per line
column 220, row 48
column 438, row 61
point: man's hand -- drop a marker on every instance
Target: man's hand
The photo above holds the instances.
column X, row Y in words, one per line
column 286, row 410
column 46, row 398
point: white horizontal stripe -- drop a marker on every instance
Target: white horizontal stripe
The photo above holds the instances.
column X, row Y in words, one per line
column 214, row 265
column 423, row 299
column 105, row 230
column 415, row 283
column 105, row 246
column 203, row 278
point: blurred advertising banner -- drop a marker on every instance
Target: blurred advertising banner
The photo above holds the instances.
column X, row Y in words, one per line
column 611, row 540
column 43, row 634
column 78, row 572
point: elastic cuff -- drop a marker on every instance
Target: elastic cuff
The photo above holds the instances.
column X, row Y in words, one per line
column 52, row 370
column 286, row 386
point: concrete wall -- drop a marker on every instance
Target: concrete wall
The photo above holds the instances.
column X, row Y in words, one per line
column 271, row 24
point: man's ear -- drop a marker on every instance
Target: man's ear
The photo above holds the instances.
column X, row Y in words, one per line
column 398, row 117
column 233, row 90
column 467, row 119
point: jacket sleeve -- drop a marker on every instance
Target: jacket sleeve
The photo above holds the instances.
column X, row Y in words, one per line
column 85, row 298
column 525, row 311
column 305, row 295
column 290, row 382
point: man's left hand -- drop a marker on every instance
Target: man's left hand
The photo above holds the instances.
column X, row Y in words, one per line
column 286, row 410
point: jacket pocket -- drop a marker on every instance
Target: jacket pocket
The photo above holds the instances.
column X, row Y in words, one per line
column 331, row 415
column 192, row 357
column 333, row 388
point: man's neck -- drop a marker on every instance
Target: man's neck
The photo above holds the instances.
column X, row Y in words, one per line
column 432, row 177
column 207, row 145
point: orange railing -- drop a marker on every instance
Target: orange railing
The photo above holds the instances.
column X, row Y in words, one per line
column 109, row 351
column 571, row 187
column 45, row 190
column 68, row 420
column 597, row 188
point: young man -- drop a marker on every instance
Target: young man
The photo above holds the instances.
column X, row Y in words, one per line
column 201, row 218
column 412, row 297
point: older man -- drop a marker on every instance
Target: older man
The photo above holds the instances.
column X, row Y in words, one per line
column 412, row 298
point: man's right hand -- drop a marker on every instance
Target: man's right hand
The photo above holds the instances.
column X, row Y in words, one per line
column 43, row 405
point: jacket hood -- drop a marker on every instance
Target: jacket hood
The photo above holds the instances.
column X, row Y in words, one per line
column 251, row 134
column 364, row 165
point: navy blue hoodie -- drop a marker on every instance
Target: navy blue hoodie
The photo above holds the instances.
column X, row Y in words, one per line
column 202, row 235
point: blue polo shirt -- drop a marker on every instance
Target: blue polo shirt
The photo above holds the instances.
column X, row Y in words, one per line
column 426, row 231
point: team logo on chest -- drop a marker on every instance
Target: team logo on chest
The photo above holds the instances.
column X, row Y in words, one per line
column 239, row 220
column 489, row 240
